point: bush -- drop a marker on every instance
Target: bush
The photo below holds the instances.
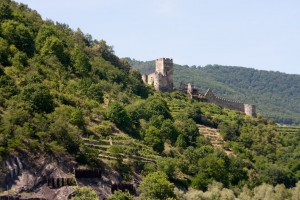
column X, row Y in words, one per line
column 117, row 114
column 156, row 186
column 85, row 193
column 39, row 97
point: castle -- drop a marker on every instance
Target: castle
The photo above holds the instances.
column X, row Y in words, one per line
column 162, row 80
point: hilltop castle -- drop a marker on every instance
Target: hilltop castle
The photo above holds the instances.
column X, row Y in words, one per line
column 162, row 80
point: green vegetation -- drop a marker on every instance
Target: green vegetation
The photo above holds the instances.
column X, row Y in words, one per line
column 156, row 186
column 65, row 94
column 275, row 94
column 119, row 195
column 85, row 193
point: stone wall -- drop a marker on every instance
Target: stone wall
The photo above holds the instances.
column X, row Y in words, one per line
column 248, row 109
column 88, row 173
column 123, row 187
column 60, row 182
column 224, row 103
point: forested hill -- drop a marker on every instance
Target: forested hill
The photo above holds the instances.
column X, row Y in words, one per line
column 277, row 95
column 68, row 104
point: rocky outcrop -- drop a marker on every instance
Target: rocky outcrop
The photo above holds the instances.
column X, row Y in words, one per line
column 37, row 174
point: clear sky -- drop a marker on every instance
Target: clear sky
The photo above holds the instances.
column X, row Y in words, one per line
column 261, row 34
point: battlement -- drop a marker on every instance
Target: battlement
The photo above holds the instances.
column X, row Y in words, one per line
column 166, row 60
column 210, row 97
column 248, row 109
column 221, row 98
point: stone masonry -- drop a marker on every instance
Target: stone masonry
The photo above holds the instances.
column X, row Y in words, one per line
column 162, row 78
column 210, row 97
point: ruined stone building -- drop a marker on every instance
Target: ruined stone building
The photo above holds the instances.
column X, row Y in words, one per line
column 162, row 80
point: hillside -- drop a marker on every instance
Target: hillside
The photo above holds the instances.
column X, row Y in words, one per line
column 277, row 95
column 77, row 122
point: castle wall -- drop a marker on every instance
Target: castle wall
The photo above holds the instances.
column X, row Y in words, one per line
column 248, row 109
column 163, row 83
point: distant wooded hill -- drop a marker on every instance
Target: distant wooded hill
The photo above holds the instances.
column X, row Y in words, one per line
column 276, row 95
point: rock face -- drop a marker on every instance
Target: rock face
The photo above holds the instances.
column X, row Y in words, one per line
column 44, row 177
column 31, row 174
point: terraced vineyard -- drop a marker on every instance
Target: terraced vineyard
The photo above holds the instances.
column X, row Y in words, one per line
column 289, row 129
column 214, row 137
column 177, row 106
column 121, row 147
column 211, row 134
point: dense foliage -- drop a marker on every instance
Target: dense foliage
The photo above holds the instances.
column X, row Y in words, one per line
column 63, row 93
column 52, row 79
column 277, row 95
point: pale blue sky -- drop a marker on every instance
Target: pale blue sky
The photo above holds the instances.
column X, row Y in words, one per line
column 261, row 34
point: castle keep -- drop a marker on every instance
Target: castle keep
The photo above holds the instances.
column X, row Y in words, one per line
column 162, row 80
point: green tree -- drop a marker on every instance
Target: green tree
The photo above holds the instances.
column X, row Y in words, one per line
column 210, row 168
column 7, row 88
column 157, row 106
column 168, row 131
column 19, row 35
column 53, row 46
column 167, row 165
column 95, row 92
column 76, row 118
column 19, row 60
column 181, row 141
column 39, row 97
column 4, row 52
column 5, row 11
column 189, row 130
column 80, row 61
column 156, row 186
column 117, row 114
column 136, row 84
column 45, row 32
column 153, row 138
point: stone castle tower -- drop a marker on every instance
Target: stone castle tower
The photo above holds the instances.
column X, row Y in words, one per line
column 162, row 78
